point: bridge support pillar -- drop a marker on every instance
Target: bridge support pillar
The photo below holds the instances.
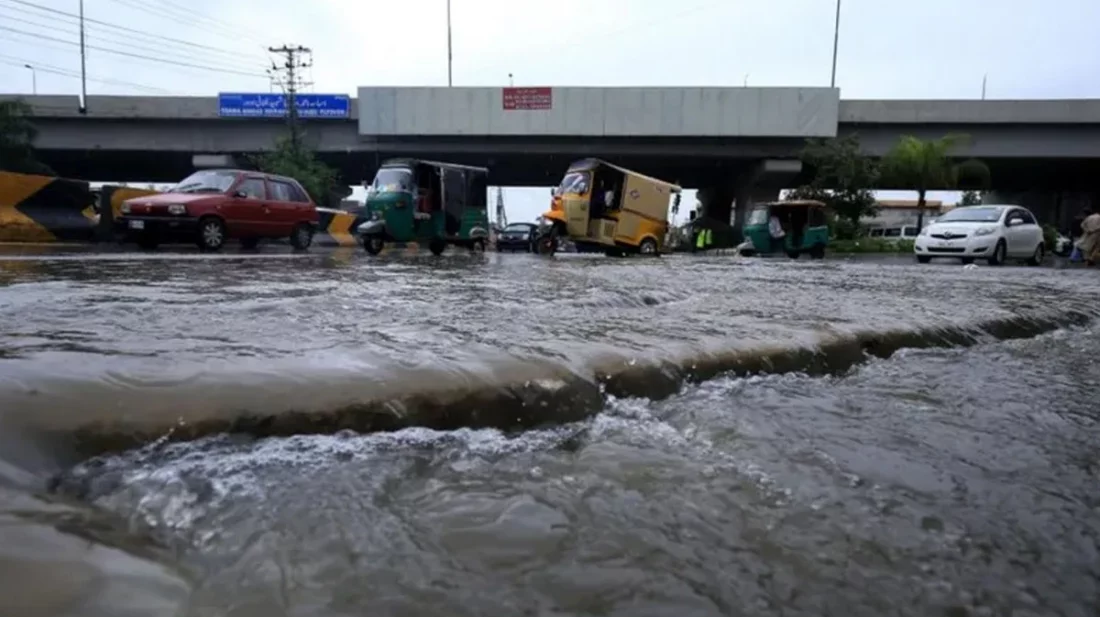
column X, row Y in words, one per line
column 726, row 201
column 1057, row 208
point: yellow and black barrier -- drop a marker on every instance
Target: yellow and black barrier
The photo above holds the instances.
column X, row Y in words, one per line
column 337, row 228
column 45, row 209
column 110, row 207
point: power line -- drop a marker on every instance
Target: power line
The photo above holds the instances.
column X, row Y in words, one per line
column 160, row 39
column 234, row 28
column 46, row 68
column 220, row 62
column 142, row 47
column 186, row 18
column 138, row 56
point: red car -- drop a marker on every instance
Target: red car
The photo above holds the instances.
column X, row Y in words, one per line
column 211, row 206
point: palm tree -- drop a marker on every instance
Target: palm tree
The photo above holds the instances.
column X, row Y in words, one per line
column 918, row 165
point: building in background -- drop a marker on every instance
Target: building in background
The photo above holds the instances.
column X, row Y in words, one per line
column 902, row 212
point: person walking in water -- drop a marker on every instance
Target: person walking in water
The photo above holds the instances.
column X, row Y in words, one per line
column 1089, row 242
column 703, row 240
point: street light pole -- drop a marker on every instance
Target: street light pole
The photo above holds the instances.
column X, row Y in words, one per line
column 450, row 56
column 83, row 72
column 984, row 78
column 511, row 82
column 34, row 78
column 836, row 43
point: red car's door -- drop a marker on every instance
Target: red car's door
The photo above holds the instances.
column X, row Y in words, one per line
column 285, row 209
column 249, row 213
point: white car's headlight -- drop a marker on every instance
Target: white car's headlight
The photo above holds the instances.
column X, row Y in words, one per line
column 984, row 231
column 177, row 209
column 124, row 208
column 923, row 232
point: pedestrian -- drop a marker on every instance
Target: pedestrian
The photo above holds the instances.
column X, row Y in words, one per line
column 1089, row 242
column 703, row 240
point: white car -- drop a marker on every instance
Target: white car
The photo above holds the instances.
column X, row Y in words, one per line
column 993, row 233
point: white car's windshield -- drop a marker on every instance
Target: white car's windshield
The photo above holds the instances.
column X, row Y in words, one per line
column 978, row 214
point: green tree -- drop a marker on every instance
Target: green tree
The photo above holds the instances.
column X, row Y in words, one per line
column 290, row 158
column 17, row 135
column 971, row 198
column 918, row 165
column 843, row 179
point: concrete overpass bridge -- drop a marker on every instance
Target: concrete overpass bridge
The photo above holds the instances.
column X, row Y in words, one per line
column 729, row 142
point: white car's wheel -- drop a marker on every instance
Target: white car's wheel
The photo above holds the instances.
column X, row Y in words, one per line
column 999, row 253
column 1038, row 256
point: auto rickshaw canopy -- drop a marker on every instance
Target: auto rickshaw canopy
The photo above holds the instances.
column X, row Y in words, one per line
column 590, row 164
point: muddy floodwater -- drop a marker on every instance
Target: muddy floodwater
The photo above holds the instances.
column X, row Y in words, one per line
column 954, row 480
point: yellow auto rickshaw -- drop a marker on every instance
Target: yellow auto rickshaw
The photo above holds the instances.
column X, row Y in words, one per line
column 601, row 207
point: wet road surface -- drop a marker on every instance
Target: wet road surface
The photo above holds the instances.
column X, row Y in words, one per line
column 934, row 482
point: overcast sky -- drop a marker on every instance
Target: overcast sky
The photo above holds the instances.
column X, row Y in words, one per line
column 888, row 48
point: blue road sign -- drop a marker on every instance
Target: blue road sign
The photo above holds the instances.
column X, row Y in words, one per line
column 272, row 105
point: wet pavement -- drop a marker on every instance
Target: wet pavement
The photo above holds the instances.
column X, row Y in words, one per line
column 957, row 481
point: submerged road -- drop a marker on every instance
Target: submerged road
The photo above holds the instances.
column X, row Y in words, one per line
column 953, row 480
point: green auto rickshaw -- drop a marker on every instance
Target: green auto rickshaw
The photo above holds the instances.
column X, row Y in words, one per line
column 426, row 202
column 804, row 224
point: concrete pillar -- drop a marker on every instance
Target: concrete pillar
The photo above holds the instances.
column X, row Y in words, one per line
column 727, row 200
column 1057, row 208
column 716, row 201
column 105, row 229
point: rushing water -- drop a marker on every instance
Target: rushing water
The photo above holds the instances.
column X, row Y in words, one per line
column 934, row 482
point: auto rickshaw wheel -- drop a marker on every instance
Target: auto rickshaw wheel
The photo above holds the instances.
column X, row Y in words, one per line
column 547, row 245
column 437, row 246
column 817, row 251
column 648, row 247
column 793, row 254
column 478, row 246
column 373, row 244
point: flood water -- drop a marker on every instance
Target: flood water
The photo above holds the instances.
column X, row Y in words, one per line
column 957, row 481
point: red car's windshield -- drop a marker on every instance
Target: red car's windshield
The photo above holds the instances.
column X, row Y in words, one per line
column 206, row 182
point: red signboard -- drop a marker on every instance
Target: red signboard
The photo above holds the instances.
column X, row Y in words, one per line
column 527, row 98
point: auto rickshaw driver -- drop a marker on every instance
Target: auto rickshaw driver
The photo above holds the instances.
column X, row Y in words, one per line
column 423, row 210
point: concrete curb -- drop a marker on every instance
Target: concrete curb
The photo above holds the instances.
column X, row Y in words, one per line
column 558, row 395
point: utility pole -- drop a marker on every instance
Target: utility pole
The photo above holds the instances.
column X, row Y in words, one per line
column 836, row 43
column 450, row 57
column 83, row 62
column 290, row 77
column 502, row 217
